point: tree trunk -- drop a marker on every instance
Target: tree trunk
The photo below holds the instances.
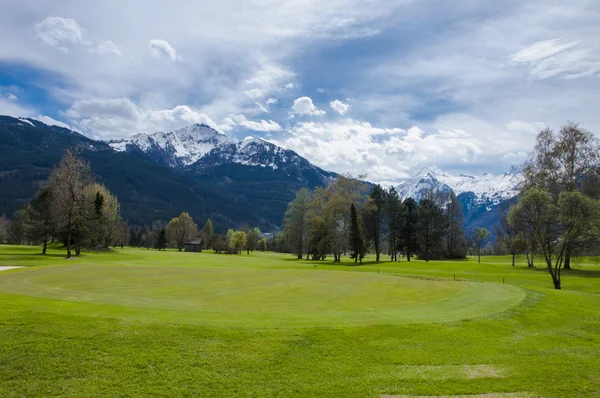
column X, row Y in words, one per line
column 513, row 260
column 45, row 246
column 356, row 260
column 478, row 256
column 77, row 247
column 69, row 242
column 567, row 264
column 408, row 256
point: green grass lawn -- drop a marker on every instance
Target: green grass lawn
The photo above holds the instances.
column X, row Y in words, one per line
column 145, row 323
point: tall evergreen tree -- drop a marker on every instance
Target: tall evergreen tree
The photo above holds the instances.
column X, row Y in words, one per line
column 161, row 239
column 357, row 242
column 410, row 242
column 431, row 227
column 207, row 233
column 394, row 210
column 456, row 242
column 374, row 217
column 40, row 219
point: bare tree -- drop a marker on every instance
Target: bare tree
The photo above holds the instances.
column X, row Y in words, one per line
column 67, row 183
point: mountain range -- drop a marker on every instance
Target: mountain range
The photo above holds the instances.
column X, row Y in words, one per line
column 156, row 177
column 202, row 171
column 483, row 198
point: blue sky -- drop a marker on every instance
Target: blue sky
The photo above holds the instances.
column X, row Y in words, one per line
column 381, row 88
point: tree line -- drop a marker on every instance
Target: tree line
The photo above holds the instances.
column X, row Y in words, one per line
column 182, row 230
column 74, row 209
column 349, row 217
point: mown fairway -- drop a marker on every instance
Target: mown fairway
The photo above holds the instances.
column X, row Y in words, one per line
column 140, row 323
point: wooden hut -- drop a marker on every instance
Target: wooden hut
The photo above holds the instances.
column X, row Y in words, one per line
column 194, row 245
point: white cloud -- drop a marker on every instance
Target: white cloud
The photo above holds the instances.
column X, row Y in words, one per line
column 305, row 106
column 320, row 90
column 559, row 57
column 339, row 107
column 162, row 49
column 58, row 31
column 271, row 101
column 261, row 125
column 233, row 121
column 107, row 47
column 12, row 97
column 120, row 117
column 255, row 93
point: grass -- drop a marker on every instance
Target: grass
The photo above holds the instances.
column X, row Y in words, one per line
column 144, row 323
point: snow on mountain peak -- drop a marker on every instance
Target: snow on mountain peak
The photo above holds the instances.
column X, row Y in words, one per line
column 488, row 187
column 199, row 142
column 186, row 145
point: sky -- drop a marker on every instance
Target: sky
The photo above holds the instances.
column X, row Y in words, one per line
column 381, row 88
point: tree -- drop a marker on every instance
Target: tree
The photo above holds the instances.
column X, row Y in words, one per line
column 161, row 239
column 512, row 239
column 18, row 226
column 262, row 244
column 252, row 240
column 40, row 217
column 339, row 195
column 481, row 234
column 357, row 242
column 238, row 241
column 456, row 242
column 101, row 216
column 565, row 161
column 431, row 228
column 395, row 215
column 4, row 226
column 181, row 230
column 207, row 233
column 557, row 225
column 374, row 217
column 67, row 183
column 295, row 222
column 409, row 230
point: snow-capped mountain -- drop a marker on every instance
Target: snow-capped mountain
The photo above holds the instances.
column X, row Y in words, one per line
column 199, row 146
column 181, row 147
column 488, row 188
column 483, row 199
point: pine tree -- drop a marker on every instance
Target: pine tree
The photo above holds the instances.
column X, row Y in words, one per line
column 410, row 243
column 431, row 227
column 207, row 233
column 357, row 242
column 456, row 242
column 40, row 219
column 374, row 217
column 161, row 240
column 394, row 210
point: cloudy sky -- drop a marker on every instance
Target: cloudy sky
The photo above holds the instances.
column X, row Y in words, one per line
column 375, row 87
